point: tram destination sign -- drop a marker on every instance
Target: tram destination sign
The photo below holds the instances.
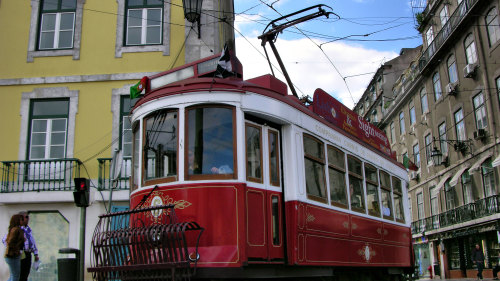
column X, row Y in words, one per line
column 342, row 117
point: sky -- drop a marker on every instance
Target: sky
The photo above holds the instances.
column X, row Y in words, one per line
column 338, row 54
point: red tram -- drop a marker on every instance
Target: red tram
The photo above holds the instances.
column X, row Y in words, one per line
column 281, row 189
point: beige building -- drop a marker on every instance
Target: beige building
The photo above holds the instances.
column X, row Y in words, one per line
column 444, row 118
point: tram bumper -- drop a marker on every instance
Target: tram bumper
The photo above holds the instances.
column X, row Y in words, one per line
column 144, row 244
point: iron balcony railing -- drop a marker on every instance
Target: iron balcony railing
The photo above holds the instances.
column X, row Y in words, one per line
column 39, row 175
column 481, row 208
column 105, row 180
column 453, row 21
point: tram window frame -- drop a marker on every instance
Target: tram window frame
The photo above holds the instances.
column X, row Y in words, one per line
column 371, row 179
column 319, row 161
column 136, row 155
column 337, row 167
column 398, row 192
column 276, row 157
column 356, row 175
column 385, row 186
column 232, row 175
column 260, row 154
column 159, row 179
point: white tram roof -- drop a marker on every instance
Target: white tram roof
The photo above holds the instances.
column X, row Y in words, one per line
column 200, row 75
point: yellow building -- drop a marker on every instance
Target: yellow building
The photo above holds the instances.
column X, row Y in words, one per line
column 68, row 66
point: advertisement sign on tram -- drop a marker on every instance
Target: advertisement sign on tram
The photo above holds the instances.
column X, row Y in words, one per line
column 334, row 111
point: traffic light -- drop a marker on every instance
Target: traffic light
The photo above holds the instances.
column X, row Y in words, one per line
column 82, row 192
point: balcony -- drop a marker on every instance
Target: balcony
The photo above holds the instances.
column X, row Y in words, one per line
column 39, row 175
column 479, row 209
column 105, row 181
column 454, row 20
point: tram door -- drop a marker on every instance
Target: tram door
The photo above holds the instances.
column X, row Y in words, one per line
column 264, row 197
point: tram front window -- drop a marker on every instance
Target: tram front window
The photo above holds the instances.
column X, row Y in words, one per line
column 210, row 142
column 160, row 146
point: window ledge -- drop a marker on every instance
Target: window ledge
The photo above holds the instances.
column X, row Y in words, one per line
column 54, row 53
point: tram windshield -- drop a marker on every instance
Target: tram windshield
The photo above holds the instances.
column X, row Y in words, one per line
column 210, row 141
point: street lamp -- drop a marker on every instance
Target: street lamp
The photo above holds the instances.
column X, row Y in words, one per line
column 437, row 156
column 192, row 11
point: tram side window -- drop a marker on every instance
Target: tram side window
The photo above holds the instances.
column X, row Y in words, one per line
column 274, row 164
column 160, row 146
column 356, row 192
column 336, row 172
column 135, row 157
column 254, row 152
column 314, row 162
column 372, row 201
column 210, row 143
column 398, row 200
column 385, row 184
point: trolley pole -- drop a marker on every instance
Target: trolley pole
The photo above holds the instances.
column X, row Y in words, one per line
column 83, row 220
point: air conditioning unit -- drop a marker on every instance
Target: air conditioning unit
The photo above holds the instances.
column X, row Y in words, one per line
column 470, row 70
column 451, row 89
column 480, row 134
column 414, row 175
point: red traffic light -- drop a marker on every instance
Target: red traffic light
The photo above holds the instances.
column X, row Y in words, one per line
column 82, row 184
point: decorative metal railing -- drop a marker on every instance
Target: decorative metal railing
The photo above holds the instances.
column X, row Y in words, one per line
column 105, row 181
column 454, row 20
column 144, row 244
column 39, row 175
column 481, row 208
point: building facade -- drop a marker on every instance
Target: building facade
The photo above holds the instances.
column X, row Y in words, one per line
column 443, row 116
column 65, row 98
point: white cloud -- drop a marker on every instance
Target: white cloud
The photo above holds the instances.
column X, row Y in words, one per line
column 309, row 68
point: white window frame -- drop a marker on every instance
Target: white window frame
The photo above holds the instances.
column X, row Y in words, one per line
column 57, row 31
column 480, row 111
column 470, row 49
column 120, row 48
column 34, row 32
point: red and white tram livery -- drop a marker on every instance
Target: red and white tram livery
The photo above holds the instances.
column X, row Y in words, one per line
column 281, row 188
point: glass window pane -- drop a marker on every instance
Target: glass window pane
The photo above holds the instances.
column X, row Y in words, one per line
column 134, row 36
column 371, row 174
column 372, row 200
column 65, row 39
column 48, row 22
column 56, row 152
column 336, row 157
column 161, row 144
column 396, row 184
column 134, row 18
column 49, row 5
column 315, row 179
column 385, row 180
column 59, row 125
column 67, row 20
column 274, row 158
column 38, row 138
column 153, row 35
column 135, row 2
column 154, row 2
column 354, row 165
column 398, row 207
column 337, row 186
column 37, row 152
column 210, row 138
column 313, row 148
column 39, row 126
column 68, row 4
column 356, row 193
column 50, row 107
column 386, row 203
column 47, row 40
column 58, row 138
column 254, row 152
column 154, row 17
